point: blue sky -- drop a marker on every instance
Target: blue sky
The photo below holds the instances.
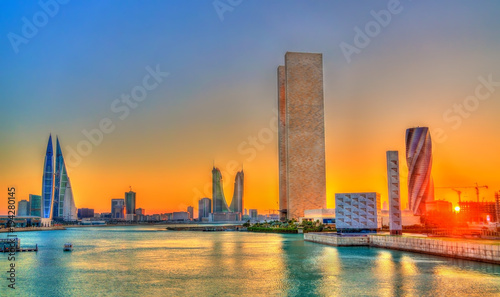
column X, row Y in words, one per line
column 222, row 87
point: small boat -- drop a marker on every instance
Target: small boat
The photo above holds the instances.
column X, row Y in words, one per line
column 68, row 247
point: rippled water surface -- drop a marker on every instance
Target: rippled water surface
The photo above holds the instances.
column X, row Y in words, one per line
column 148, row 261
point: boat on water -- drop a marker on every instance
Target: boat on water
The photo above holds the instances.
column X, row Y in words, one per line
column 68, row 247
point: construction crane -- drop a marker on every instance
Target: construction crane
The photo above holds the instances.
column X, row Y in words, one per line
column 476, row 187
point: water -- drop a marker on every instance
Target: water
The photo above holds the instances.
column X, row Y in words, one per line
column 148, row 261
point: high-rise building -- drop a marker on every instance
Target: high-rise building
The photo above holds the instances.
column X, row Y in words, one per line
column 35, row 205
column 48, row 183
column 395, row 219
column 419, row 160
column 253, row 214
column 301, row 134
column 61, row 181
column 282, row 143
column 69, row 210
column 130, row 205
column 190, row 211
column 204, row 208
column 140, row 211
column 237, row 202
column 23, row 208
column 117, row 208
column 219, row 201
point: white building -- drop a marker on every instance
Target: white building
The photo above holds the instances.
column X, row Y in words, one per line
column 356, row 212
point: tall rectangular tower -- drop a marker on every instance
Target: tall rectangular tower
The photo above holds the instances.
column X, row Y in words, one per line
column 394, row 193
column 304, row 133
column 282, row 143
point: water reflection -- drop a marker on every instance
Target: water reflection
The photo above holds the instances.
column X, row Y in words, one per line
column 132, row 261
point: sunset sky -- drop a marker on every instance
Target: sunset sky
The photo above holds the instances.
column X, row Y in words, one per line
column 220, row 94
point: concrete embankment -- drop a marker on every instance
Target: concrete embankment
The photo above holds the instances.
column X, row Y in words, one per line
column 27, row 229
column 476, row 250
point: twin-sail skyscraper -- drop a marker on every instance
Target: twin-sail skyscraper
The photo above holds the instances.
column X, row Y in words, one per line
column 57, row 197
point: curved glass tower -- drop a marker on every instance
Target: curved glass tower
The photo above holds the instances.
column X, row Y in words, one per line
column 419, row 160
column 219, row 201
column 237, row 202
column 48, row 181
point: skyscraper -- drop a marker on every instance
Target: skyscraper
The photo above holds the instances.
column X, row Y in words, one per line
column 190, row 211
column 204, row 208
column 395, row 220
column 301, row 134
column 219, row 201
column 130, row 205
column 282, row 143
column 237, row 202
column 48, row 183
column 23, row 208
column 117, row 208
column 69, row 210
column 35, row 205
column 61, row 182
column 419, row 160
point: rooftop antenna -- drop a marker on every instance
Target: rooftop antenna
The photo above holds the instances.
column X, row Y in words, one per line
column 130, row 187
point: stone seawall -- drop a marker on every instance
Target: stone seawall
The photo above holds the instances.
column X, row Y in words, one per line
column 332, row 239
column 475, row 251
column 454, row 249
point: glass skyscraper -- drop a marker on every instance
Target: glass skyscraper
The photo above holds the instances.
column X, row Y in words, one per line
column 35, row 205
column 419, row 160
column 237, row 202
column 130, row 204
column 219, row 201
column 57, row 196
column 48, row 182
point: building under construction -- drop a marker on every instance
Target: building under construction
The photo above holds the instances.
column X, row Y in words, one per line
column 479, row 212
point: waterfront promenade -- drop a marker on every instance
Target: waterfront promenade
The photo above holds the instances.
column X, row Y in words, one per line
column 469, row 249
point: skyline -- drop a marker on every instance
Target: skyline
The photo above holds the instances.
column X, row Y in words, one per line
column 221, row 90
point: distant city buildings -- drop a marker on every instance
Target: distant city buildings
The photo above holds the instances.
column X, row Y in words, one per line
column 395, row 219
column 419, row 160
column 129, row 205
column 204, row 208
column 357, row 212
column 225, row 217
column 301, row 135
column 140, row 211
column 253, row 214
column 84, row 213
column 180, row 216
column 190, row 211
column 35, row 205
column 117, row 208
column 23, row 208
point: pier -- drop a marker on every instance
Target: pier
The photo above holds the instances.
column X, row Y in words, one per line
column 5, row 246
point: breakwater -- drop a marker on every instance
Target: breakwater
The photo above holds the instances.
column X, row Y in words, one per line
column 476, row 250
